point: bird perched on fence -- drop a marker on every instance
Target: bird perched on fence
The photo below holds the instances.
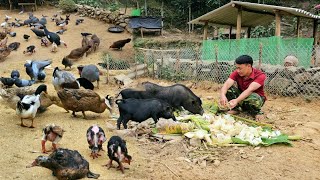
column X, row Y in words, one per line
column 52, row 133
column 120, row 44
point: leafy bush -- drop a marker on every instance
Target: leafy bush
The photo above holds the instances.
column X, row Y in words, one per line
column 92, row 3
column 67, row 5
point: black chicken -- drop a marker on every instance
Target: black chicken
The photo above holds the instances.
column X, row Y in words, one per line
column 119, row 44
column 117, row 151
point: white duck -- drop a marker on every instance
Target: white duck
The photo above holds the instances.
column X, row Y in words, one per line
column 28, row 105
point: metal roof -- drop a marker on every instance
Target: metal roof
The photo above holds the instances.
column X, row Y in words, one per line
column 253, row 14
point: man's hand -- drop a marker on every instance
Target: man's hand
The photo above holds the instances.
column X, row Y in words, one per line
column 233, row 103
column 223, row 100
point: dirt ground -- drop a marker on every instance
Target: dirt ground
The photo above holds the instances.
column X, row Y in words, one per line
column 20, row 146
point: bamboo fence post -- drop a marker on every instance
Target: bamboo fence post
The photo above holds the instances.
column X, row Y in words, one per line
column 145, row 62
column 197, row 60
column 260, row 56
column 217, row 63
column 153, row 73
column 135, row 67
column 108, row 68
column 178, row 60
column 161, row 65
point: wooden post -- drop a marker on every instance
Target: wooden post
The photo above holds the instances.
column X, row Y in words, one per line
column 260, row 56
column 230, row 32
column 205, row 31
column 189, row 17
column 249, row 32
column 197, row 60
column 315, row 29
column 135, row 67
column 108, row 67
column 141, row 31
column 161, row 65
column 217, row 63
column 178, row 61
column 161, row 17
column 153, row 70
column 278, row 23
column 239, row 16
column 145, row 8
column 144, row 60
column 298, row 27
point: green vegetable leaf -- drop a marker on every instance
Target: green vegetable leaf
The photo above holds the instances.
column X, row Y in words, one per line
column 239, row 141
column 282, row 139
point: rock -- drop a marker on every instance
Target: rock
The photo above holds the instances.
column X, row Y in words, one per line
column 302, row 78
column 203, row 164
column 110, row 126
column 126, row 132
column 216, row 162
column 195, row 142
column 123, row 24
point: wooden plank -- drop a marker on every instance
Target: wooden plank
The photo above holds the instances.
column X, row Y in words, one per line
column 239, row 17
column 278, row 24
column 205, row 31
column 298, row 27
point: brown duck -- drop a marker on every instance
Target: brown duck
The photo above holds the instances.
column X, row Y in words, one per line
column 84, row 100
column 65, row 164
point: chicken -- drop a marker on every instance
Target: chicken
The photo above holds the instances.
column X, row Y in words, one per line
column 30, row 50
column 120, row 44
column 52, row 133
column 117, row 151
column 95, row 138
column 74, row 55
column 4, row 52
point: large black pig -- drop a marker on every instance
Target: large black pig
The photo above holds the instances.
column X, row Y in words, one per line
column 176, row 95
column 141, row 109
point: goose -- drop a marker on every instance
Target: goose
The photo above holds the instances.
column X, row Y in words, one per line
column 28, row 105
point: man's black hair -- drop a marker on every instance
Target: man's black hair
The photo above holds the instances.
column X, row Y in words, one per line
column 244, row 59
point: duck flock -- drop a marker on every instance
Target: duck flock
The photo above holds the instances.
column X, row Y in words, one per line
column 29, row 97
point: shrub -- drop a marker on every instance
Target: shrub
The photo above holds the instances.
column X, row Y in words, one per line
column 67, row 5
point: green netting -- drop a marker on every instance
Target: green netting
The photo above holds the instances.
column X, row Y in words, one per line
column 136, row 12
column 274, row 49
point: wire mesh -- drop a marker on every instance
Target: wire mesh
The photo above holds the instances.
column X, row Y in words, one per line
column 291, row 65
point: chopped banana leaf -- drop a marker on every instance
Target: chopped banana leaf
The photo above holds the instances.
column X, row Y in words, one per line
column 211, row 106
column 198, row 121
column 282, row 139
column 239, row 141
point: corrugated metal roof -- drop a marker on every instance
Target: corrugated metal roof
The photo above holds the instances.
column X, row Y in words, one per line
column 253, row 14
